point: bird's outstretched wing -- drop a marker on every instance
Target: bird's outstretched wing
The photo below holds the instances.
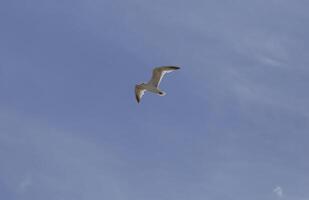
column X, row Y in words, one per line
column 159, row 72
column 139, row 92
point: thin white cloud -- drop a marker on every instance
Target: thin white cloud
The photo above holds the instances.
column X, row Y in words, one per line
column 25, row 184
column 269, row 61
column 278, row 191
column 69, row 160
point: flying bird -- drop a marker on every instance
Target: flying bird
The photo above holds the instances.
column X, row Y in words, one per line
column 153, row 84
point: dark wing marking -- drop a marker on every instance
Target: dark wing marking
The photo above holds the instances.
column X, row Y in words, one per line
column 159, row 72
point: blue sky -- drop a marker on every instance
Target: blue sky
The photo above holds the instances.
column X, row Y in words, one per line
column 234, row 123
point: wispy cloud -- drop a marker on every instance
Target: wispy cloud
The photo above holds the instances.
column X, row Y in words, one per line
column 267, row 48
column 25, row 184
column 69, row 162
column 269, row 61
column 278, row 191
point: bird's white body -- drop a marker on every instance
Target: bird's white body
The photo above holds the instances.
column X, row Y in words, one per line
column 152, row 88
column 153, row 84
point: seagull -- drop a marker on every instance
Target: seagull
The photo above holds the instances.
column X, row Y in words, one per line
column 153, row 84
